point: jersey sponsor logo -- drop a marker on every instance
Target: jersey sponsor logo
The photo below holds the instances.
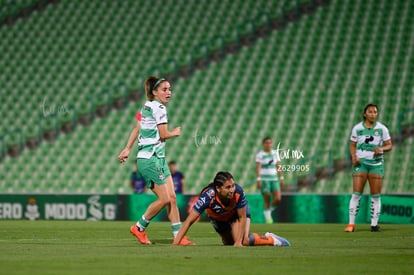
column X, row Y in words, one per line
column 211, row 193
column 366, row 147
column 161, row 117
column 161, row 106
column 217, row 209
column 368, row 139
column 199, row 204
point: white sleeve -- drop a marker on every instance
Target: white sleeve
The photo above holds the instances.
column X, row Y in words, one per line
column 354, row 136
column 160, row 114
column 385, row 134
column 258, row 157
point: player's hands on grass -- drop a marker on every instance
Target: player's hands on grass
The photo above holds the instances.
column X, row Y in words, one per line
column 123, row 156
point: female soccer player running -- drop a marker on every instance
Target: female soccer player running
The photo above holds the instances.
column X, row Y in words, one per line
column 152, row 133
column 229, row 214
column 369, row 140
column 268, row 174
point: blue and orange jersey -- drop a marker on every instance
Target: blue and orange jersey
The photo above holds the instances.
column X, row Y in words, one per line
column 216, row 210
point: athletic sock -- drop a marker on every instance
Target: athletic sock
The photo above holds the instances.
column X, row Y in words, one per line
column 354, row 206
column 175, row 228
column 142, row 223
column 375, row 209
column 268, row 214
column 256, row 239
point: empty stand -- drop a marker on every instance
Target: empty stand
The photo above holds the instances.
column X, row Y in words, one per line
column 305, row 86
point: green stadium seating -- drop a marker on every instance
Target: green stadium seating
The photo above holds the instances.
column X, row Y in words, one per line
column 305, row 86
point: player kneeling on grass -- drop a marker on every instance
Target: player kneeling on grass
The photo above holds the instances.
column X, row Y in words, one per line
column 227, row 208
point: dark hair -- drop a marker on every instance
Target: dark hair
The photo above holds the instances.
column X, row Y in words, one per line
column 219, row 180
column 151, row 83
column 266, row 138
column 366, row 108
column 172, row 162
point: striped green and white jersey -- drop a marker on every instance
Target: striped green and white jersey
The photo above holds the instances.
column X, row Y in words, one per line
column 367, row 139
column 153, row 114
column 268, row 164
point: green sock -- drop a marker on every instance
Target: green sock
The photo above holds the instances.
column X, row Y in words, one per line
column 175, row 228
column 143, row 223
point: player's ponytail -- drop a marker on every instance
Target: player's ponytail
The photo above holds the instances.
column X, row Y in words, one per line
column 151, row 84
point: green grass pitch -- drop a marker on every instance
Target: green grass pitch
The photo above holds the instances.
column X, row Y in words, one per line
column 78, row 247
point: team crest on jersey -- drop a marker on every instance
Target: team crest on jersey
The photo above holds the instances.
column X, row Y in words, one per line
column 376, row 133
column 211, row 193
column 217, row 209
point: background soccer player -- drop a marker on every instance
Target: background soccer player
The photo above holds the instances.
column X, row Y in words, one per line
column 178, row 177
column 229, row 214
column 369, row 140
column 153, row 132
column 268, row 174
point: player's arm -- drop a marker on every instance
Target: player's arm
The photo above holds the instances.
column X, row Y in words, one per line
column 165, row 133
column 387, row 146
column 123, row 156
column 192, row 217
column 352, row 150
column 241, row 231
column 280, row 174
column 258, row 179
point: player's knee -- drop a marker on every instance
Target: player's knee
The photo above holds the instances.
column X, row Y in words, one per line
column 164, row 200
column 173, row 200
column 277, row 200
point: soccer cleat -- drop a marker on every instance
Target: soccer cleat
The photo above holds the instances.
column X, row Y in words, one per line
column 269, row 221
column 375, row 228
column 350, row 228
column 185, row 241
column 277, row 240
column 141, row 235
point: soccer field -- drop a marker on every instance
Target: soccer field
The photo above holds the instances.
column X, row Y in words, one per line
column 64, row 247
